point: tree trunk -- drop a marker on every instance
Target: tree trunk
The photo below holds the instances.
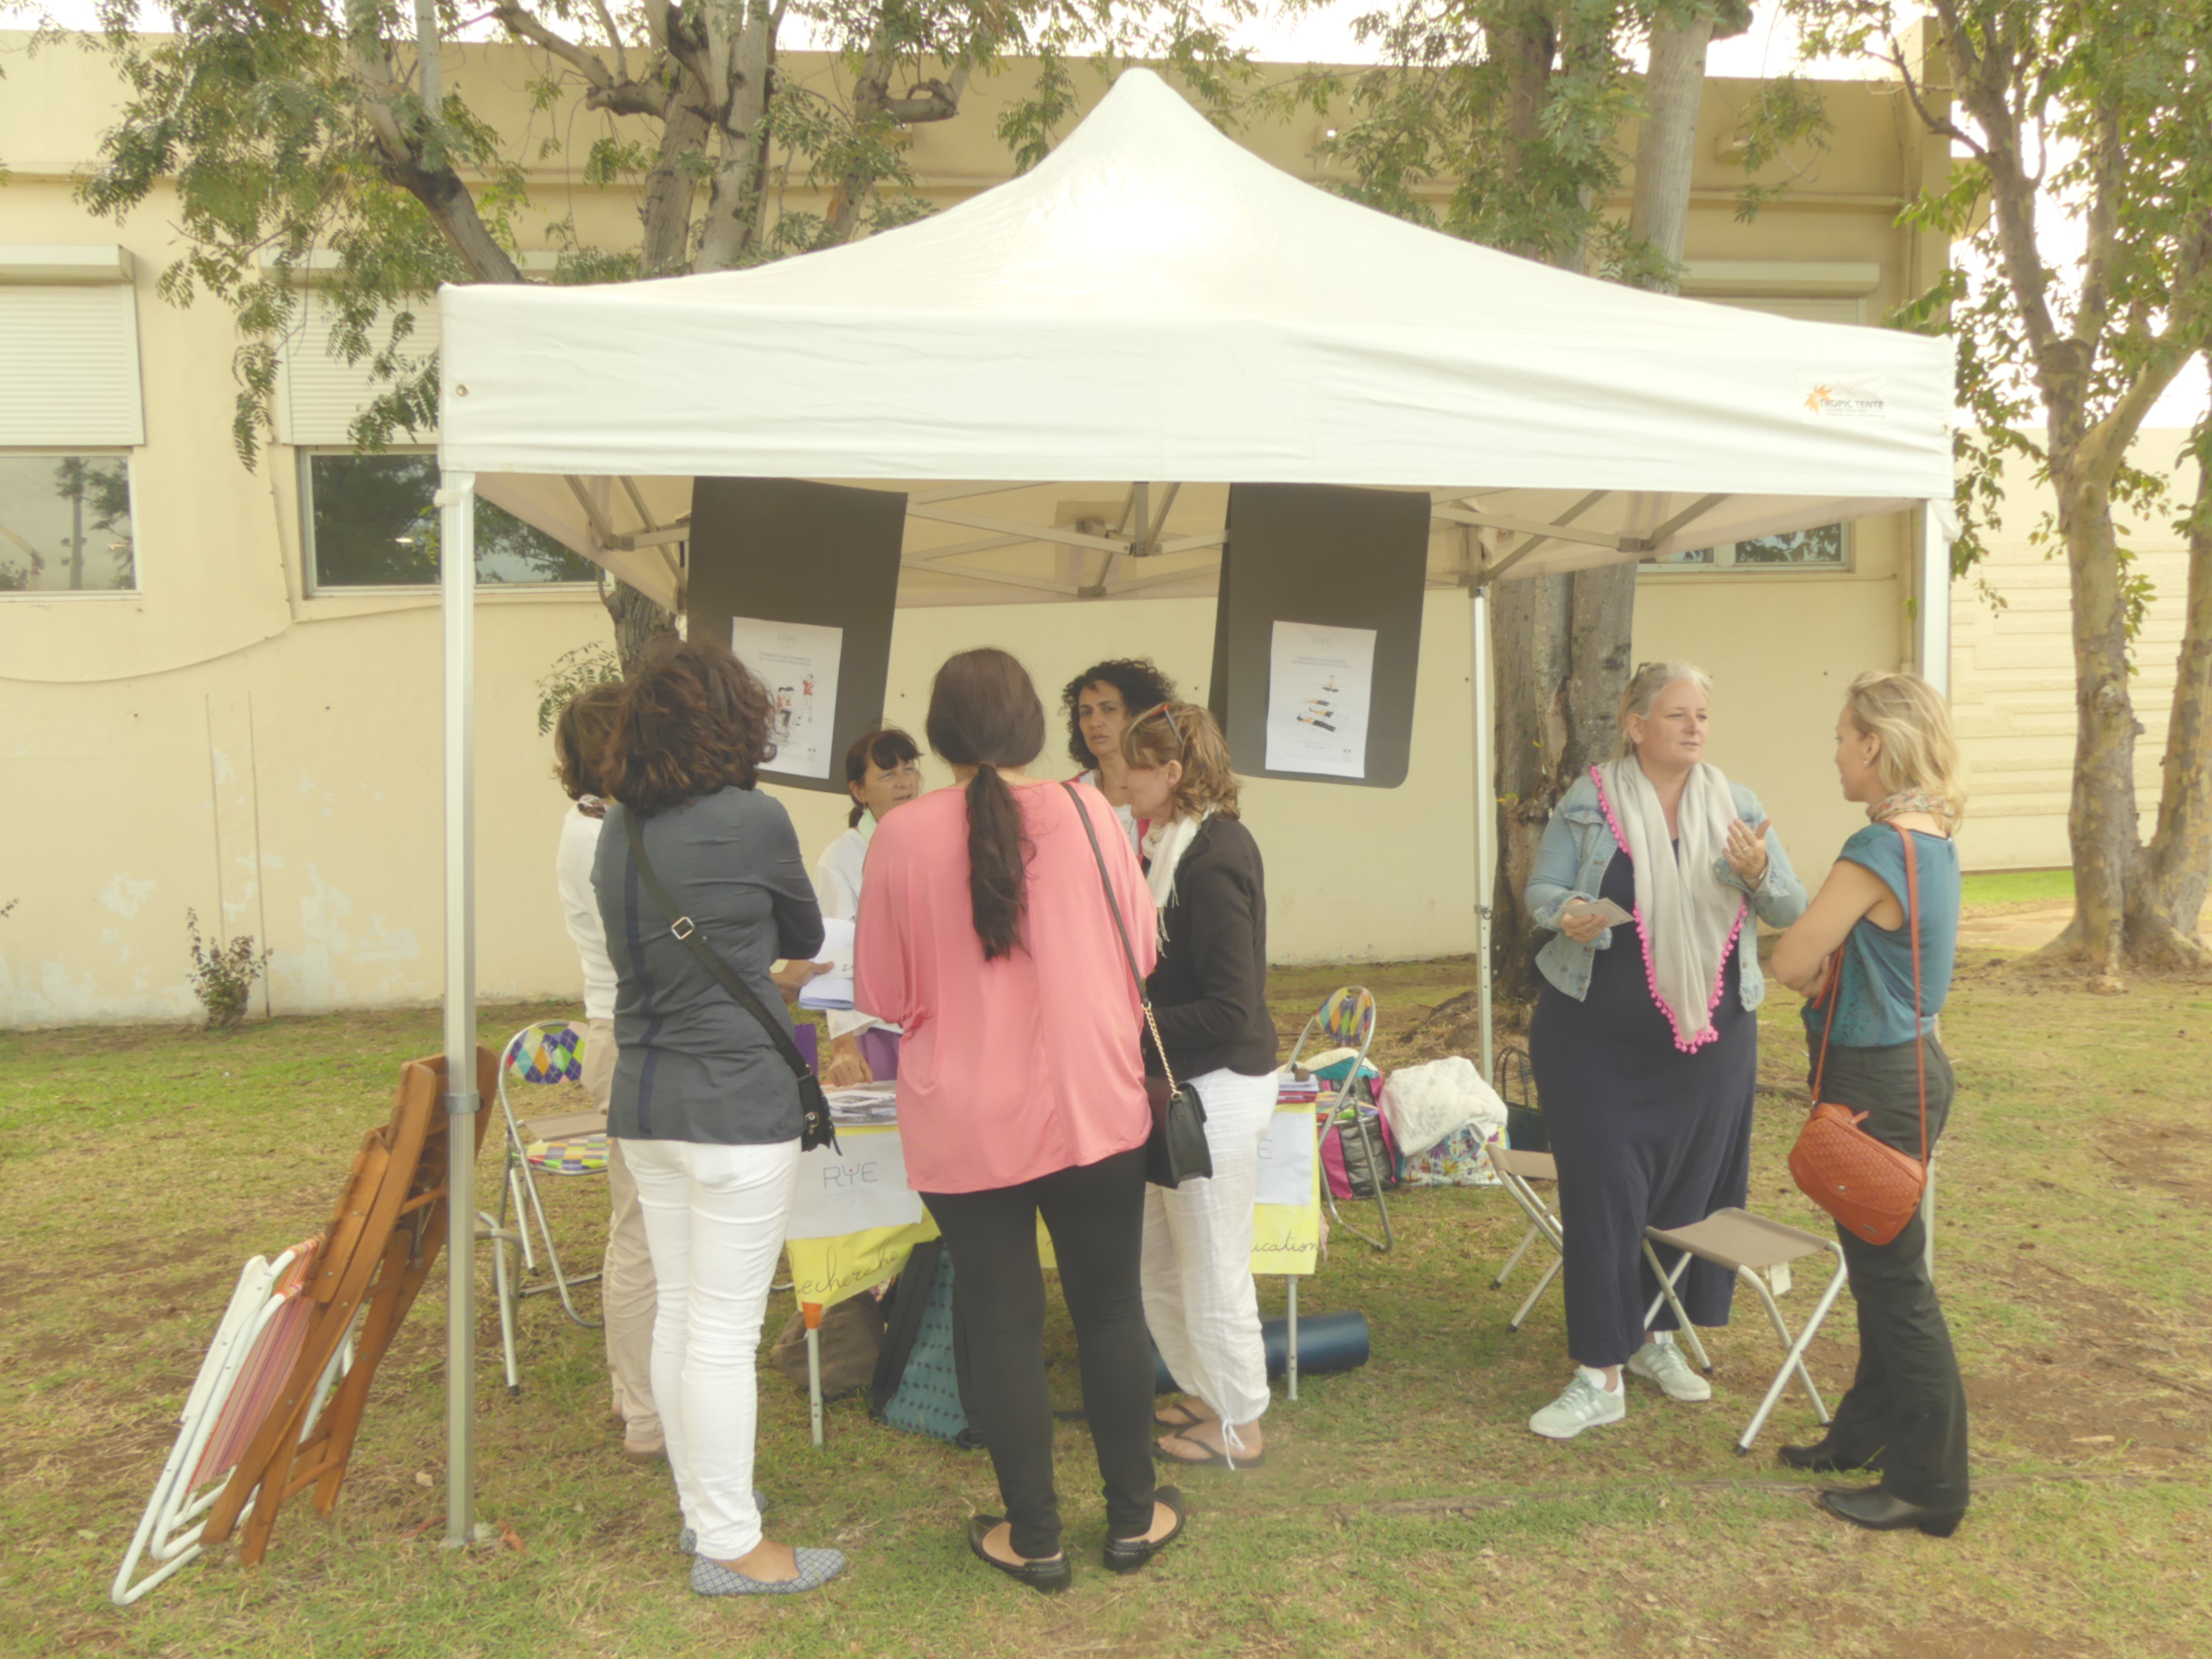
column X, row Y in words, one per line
column 665, row 210
column 638, row 622
column 2168, row 897
column 2100, row 818
column 739, row 44
column 1666, row 146
column 1531, row 632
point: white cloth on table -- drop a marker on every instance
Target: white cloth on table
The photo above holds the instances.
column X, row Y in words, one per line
column 715, row 1220
column 580, row 909
column 1200, row 1298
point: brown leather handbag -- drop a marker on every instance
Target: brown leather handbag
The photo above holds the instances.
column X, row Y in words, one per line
column 1870, row 1187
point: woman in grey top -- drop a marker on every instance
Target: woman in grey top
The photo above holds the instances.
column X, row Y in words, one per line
column 706, row 1113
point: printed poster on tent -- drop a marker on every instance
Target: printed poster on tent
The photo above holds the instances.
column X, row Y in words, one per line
column 1319, row 684
column 797, row 663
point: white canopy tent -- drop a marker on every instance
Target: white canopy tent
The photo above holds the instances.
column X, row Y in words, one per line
column 1065, row 373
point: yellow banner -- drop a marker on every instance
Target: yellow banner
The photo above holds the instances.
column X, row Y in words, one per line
column 1286, row 1240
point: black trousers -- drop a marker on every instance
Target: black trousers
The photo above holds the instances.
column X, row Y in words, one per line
column 1094, row 1214
column 1906, row 1410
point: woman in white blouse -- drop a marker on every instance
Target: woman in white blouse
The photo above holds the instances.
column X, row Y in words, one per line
column 883, row 770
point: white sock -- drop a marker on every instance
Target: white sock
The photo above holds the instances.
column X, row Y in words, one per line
column 1596, row 1379
column 1662, row 1336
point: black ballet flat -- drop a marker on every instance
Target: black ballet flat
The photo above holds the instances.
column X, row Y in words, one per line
column 1822, row 1458
column 1046, row 1577
column 1880, row 1511
column 1129, row 1555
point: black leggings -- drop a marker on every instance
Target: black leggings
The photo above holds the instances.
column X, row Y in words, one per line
column 1096, row 1215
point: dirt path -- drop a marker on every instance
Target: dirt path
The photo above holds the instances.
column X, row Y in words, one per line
column 2030, row 927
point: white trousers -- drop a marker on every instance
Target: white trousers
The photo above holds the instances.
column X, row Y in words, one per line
column 1199, row 1298
column 626, row 1294
column 714, row 1219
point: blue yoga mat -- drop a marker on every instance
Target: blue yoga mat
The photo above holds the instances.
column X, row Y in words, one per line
column 1327, row 1342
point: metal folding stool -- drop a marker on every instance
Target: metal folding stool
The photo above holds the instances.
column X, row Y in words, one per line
column 1515, row 1171
column 1750, row 1247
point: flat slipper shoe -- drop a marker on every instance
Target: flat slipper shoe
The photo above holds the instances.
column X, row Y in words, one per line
column 1046, row 1577
column 687, row 1541
column 816, row 1569
column 1212, row 1460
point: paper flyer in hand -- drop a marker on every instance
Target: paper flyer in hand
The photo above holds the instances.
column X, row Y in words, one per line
column 797, row 663
column 1318, row 682
column 832, row 990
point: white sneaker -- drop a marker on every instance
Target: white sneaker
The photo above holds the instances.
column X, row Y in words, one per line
column 1663, row 1362
column 1587, row 1403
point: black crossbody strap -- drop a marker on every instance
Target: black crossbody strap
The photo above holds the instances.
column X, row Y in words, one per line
column 1128, row 951
column 687, row 933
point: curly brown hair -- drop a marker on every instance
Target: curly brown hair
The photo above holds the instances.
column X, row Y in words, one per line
column 580, row 737
column 1187, row 732
column 1139, row 681
column 693, row 719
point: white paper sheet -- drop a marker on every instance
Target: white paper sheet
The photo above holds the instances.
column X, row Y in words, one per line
column 1319, row 684
column 849, row 1192
column 834, row 988
column 797, row 663
column 1286, row 1159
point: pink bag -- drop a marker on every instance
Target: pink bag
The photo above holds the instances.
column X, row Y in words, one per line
column 1351, row 1178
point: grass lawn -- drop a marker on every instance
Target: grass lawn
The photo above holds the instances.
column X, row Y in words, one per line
column 1405, row 1509
column 2017, row 887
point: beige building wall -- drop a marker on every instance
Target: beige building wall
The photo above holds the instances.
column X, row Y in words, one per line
column 221, row 739
column 2012, row 664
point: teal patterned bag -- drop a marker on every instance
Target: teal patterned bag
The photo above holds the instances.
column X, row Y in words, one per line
column 917, row 1384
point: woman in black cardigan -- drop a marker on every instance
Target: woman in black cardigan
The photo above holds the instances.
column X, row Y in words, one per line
column 1210, row 993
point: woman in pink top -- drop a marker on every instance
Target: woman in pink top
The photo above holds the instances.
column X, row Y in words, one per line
column 984, row 933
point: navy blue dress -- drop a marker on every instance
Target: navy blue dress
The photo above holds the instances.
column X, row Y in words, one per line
column 1644, row 1135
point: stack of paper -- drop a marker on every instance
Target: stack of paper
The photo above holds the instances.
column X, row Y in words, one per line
column 834, row 989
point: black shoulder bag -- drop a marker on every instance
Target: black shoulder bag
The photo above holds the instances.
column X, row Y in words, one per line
column 815, row 1128
column 1175, row 1150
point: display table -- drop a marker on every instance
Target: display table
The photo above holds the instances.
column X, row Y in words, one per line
column 855, row 1219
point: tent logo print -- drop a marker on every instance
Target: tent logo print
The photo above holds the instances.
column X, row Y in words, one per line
column 1831, row 399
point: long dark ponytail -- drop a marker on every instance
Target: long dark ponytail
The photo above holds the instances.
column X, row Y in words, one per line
column 984, row 713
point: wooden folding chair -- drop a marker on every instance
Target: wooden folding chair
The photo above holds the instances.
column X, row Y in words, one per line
column 376, row 1257
column 1750, row 1247
column 1346, row 1019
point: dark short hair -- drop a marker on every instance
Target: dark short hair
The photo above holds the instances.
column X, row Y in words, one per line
column 580, row 737
column 693, row 719
column 984, row 713
column 1138, row 679
column 887, row 746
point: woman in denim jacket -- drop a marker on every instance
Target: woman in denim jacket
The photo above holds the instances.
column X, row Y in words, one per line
column 1645, row 1043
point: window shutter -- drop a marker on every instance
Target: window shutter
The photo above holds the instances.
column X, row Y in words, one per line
column 1805, row 307
column 72, row 368
column 319, row 396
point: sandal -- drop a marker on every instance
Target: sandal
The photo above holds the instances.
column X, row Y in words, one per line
column 1213, row 1459
column 1184, row 1418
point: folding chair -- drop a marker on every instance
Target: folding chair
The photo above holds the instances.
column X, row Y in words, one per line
column 1346, row 1019
column 547, row 1052
column 1749, row 1246
column 1515, row 1171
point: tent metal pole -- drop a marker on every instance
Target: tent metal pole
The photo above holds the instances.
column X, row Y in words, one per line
column 458, row 505
column 1485, row 805
column 1931, row 644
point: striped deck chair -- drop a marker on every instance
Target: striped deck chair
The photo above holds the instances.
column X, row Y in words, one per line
column 255, row 1346
column 1346, row 1018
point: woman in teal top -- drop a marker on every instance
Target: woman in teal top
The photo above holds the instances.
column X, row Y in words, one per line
column 1906, row 1411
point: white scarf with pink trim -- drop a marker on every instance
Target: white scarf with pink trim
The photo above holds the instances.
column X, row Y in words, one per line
column 1687, row 921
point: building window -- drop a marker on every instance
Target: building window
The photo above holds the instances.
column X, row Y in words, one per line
column 1824, row 547
column 373, row 521
column 65, row 524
